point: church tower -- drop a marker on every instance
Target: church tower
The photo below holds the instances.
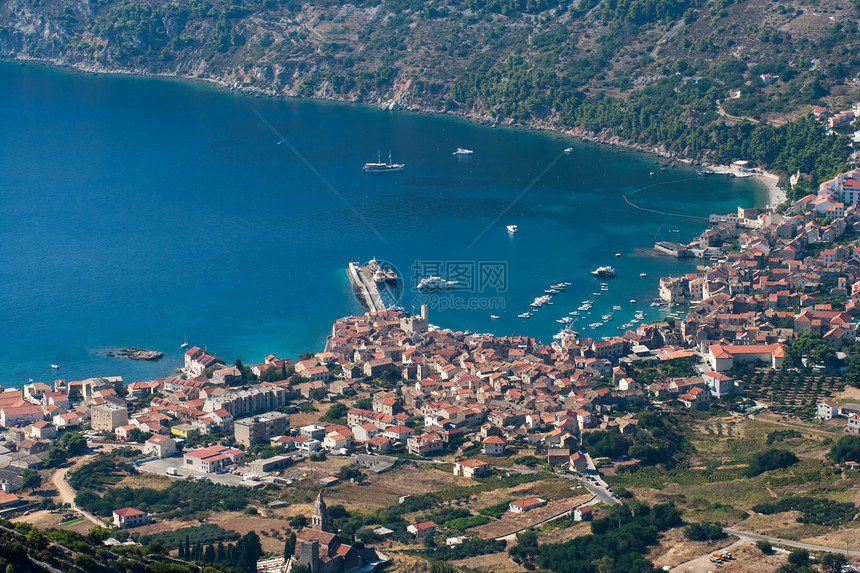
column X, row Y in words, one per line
column 319, row 518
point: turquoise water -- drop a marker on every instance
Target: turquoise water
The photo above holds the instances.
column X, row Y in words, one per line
column 135, row 212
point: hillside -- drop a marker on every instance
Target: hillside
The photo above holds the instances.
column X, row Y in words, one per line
column 673, row 76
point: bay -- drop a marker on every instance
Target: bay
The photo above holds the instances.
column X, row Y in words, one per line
column 139, row 211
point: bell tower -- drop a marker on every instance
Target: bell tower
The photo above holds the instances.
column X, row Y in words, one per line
column 319, row 518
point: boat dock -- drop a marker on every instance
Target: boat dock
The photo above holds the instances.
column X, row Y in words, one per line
column 368, row 290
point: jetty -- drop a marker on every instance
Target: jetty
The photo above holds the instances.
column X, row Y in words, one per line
column 375, row 286
column 672, row 249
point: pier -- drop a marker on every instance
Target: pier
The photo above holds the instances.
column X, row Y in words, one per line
column 366, row 282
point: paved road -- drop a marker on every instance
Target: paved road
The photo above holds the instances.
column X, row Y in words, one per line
column 787, row 542
column 67, row 494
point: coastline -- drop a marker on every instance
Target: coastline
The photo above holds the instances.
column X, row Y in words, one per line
column 776, row 195
column 605, row 137
column 750, row 195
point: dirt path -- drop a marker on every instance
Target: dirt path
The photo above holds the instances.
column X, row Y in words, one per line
column 702, row 564
column 67, row 494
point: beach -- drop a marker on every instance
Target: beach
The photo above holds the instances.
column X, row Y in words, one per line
column 776, row 196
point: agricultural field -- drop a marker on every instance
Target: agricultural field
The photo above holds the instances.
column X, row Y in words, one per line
column 792, row 393
column 811, row 498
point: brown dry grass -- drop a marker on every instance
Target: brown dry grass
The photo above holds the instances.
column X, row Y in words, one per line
column 674, row 549
column 145, row 480
column 492, row 563
column 407, row 564
column 510, row 522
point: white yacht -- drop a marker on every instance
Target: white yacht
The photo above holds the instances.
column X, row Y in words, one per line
column 463, row 151
column 512, row 228
column 436, row 283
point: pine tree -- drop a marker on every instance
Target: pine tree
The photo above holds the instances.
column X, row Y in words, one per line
column 290, row 545
column 250, row 552
column 188, row 555
column 181, row 552
column 209, row 554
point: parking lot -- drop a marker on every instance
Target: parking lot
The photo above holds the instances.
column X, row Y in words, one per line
column 159, row 467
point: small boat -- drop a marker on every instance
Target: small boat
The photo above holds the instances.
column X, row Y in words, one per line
column 551, row 291
column 643, row 275
column 616, row 307
column 559, row 286
column 674, row 230
column 462, row 151
column 568, row 150
column 494, row 317
column 380, row 167
column 617, row 254
column 55, row 366
column 512, row 228
column 632, row 301
column 525, row 315
column 560, row 321
column 184, row 343
column 574, row 313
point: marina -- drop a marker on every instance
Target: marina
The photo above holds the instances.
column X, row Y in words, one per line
column 374, row 285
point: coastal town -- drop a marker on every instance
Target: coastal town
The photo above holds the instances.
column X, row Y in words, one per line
column 392, row 394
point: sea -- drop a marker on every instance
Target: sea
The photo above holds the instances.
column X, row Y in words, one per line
column 141, row 212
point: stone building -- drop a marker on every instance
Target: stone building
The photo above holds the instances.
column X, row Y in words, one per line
column 321, row 550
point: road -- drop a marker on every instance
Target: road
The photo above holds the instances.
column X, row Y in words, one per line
column 67, row 494
column 788, row 543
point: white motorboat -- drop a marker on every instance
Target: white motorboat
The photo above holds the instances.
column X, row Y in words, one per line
column 436, row 283
column 463, row 151
column 55, row 366
column 494, row 317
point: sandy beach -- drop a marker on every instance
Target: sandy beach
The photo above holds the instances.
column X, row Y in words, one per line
column 776, row 195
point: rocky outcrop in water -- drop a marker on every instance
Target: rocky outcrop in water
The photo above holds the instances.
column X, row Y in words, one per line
column 136, row 354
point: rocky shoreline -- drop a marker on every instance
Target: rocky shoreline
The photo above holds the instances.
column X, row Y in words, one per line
column 394, row 104
column 136, row 354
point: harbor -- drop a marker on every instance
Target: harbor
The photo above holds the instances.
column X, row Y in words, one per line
column 375, row 284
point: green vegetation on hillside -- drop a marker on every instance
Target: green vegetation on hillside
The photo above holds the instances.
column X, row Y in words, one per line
column 684, row 76
column 618, row 542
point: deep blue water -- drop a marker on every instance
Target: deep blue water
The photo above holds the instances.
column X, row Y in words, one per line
column 134, row 212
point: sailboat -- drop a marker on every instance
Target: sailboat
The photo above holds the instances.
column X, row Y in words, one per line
column 184, row 343
column 380, row 167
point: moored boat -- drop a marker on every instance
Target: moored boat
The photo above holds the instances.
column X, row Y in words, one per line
column 380, row 167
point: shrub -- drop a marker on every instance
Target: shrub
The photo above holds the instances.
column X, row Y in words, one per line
column 847, row 449
column 764, row 547
column 771, row 460
column 704, row 532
